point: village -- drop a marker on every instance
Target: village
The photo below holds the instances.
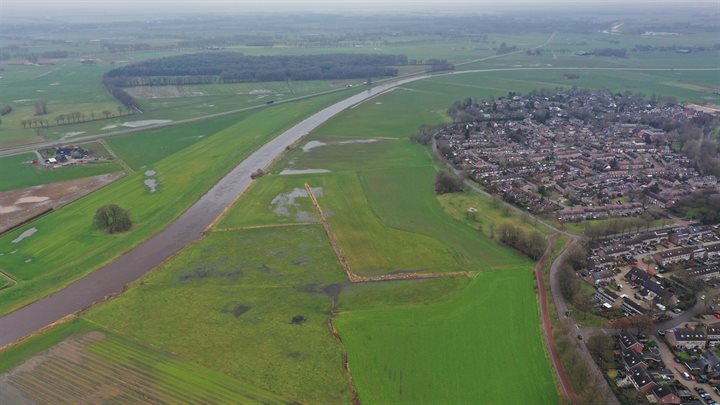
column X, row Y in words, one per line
column 575, row 156
column 591, row 157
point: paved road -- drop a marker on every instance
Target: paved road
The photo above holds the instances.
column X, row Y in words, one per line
column 113, row 278
column 32, row 147
column 669, row 359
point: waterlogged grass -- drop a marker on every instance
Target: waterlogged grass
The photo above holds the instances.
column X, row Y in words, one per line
column 51, row 259
column 234, row 296
column 272, row 200
column 485, row 345
column 17, row 172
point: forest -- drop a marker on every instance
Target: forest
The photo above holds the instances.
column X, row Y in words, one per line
column 232, row 67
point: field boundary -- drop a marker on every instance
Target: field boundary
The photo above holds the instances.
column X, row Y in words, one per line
column 563, row 378
column 246, row 228
column 356, row 278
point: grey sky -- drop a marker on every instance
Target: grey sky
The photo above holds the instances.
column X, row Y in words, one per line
column 46, row 8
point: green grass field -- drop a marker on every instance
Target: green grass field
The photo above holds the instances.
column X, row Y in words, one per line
column 56, row 259
column 93, row 362
column 483, row 346
column 17, row 172
column 234, row 295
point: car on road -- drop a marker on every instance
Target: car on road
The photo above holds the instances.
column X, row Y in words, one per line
column 579, row 337
column 677, row 310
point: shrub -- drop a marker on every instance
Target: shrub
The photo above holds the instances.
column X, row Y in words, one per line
column 112, row 219
column 447, row 183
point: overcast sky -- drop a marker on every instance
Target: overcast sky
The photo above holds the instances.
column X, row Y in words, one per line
column 141, row 7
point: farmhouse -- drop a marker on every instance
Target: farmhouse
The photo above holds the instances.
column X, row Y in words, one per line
column 682, row 338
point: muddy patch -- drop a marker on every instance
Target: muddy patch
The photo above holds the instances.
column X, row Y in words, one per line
column 236, row 309
column 30, row 232
column 20, row 205
column 298, row 320
column 218, row 269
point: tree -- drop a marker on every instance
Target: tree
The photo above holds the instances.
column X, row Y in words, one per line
column 41, row 107
column 599, row 344
column 447, row 183
column 112, row 219
column 106, row 113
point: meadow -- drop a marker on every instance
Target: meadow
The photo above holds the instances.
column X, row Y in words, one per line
column 49, row 260
column 484, row 345
column 235, row 296
column 94, row 363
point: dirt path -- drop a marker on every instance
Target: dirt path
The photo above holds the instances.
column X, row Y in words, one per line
column 356, row 278
column 567, row 388
column 245, row 228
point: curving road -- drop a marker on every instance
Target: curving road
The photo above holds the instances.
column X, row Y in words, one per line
column 112, row 278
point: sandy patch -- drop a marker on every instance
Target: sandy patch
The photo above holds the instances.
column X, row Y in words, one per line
column 312, row 145
column 8, row 209
column 74, row 133
column 30, row 232
column 357, row 141
column 150, row 173
column 55, row 84
column 31, row 199
column 113, row 126
column 143, row 123
column 286, row 172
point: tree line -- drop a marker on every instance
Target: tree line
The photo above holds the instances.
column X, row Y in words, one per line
column 231, row 67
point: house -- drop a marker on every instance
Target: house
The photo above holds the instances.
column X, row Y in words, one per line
column 642, row 381
column 664, row 374
column 629, row 341
column 682, row 338
column 665, row 395
column 713, row 334
column 633, row 360
column 602, row 277
column 677, row 255
column 705, row 272
column 630, row 307
column 605, row 296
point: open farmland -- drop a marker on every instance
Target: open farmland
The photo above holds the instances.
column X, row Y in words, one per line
column 252, row 304
column 17, row 171
column 463, row 350
column 98, row 367
column 47, row 261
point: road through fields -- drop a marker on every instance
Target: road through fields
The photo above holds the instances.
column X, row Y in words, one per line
column 114, row 277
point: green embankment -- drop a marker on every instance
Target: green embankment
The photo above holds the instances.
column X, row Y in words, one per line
column 51, row 259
